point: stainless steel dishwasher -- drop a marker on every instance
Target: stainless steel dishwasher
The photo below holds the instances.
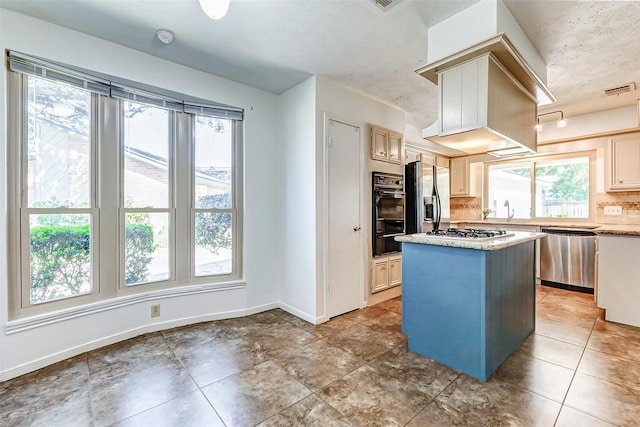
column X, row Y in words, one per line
column 567, row 258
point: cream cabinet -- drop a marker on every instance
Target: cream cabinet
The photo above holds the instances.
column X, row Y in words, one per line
column 459, row 173
column 465, row 177
column 415, row 153
column 386, row 272
column 411, row 155
column 624, row 163
column 618, row 280
column 386, row 145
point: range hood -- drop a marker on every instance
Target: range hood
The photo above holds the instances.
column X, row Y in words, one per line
column 488, row 91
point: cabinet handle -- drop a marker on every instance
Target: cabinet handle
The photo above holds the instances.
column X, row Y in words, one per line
column 620, row 181
column 356, row 228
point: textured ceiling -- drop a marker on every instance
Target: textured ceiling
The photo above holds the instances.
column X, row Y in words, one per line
column 275, row 44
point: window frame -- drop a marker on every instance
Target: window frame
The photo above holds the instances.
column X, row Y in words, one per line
column 19, row 210
column 170, row 210
column 235, row 209
column 533, row 162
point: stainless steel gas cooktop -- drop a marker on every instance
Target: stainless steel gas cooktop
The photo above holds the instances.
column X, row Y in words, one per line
column 469, row 234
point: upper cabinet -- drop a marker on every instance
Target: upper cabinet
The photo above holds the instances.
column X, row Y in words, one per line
column 465, row 177
column 416, row 153
column 459, row 172
column 386, row 145
column 624, row 163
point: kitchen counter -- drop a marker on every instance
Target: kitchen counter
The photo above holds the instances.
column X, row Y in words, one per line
column 503, row 223
column 468, row 304
column 623, row 230
column 499, row 243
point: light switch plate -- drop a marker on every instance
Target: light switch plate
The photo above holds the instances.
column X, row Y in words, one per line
column 613, row 210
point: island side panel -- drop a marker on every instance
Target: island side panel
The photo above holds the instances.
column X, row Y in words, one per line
column 443, row 300
column 510, row 301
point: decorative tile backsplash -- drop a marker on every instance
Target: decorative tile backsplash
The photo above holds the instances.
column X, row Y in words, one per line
column 628, row 200
column 464, row 208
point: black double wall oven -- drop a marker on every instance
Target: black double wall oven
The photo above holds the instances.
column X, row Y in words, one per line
column 388, row 212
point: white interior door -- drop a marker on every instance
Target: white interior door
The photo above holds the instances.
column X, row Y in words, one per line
column 345, row 241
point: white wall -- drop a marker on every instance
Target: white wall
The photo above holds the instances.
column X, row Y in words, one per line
column 337, row 101
column 303, row 110
column 30, row 346
column 600, row 122
column 297, row 151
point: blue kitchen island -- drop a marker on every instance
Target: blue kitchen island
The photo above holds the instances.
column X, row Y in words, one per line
column 468, row 304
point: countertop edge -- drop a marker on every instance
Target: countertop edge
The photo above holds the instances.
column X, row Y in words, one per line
column 622, row 231
column 518, row 238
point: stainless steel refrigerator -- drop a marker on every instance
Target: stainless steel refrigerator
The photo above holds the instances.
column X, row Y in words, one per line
column 426, row 197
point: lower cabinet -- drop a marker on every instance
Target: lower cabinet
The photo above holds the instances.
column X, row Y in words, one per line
column 618, row 282
column 386, row 272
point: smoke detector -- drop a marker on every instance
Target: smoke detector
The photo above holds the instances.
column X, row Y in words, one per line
column 165, row 36
column 385, row 4
column 620, row 89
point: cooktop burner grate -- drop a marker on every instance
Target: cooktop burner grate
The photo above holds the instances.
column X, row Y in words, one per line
column 469, row 233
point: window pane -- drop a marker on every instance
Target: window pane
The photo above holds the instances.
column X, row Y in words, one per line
column 60, row 256
column 213, row 158
column 146, row 247
column 146, row 156
column 213, row 243
column 510, row 184
column 58, row 150
column 562, row 188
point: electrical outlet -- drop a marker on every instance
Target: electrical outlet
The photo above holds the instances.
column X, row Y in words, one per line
column 155, row 310
column 613, row 210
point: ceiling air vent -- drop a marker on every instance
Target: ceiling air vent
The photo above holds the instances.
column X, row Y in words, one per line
column 620, row 89
column 385, row 4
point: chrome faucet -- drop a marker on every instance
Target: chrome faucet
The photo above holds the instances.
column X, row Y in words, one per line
column 510, row 212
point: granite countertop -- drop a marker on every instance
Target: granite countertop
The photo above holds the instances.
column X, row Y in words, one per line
column 620, row 229
column 504, row 222
column 517, row 238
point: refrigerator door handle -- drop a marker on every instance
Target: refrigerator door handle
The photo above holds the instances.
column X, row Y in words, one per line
column 437, row 215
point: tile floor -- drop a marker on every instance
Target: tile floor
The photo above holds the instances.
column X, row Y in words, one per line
column 273, row 369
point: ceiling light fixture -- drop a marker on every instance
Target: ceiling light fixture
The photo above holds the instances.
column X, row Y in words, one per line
column 562, row 123
column 165, row 36
column 215, row 9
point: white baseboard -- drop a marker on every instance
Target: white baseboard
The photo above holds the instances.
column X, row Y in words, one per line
column 316, row 320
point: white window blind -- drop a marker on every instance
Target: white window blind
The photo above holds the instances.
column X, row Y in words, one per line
column 119, row 88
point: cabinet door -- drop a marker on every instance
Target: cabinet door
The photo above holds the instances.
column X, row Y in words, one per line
column 395, row 147
column 395, row 271
column 459, row 172
column 380, row 277
column 411, row 156
column 379, row 144
column 442, row 162
column 625, row 164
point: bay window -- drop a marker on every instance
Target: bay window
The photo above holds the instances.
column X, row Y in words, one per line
column 110, row 185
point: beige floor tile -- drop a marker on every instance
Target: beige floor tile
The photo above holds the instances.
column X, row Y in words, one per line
column 254, row 395
column 552, row 350
column 607, row 401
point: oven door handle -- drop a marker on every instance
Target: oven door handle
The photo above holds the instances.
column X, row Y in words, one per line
column 382, row 236
column 390, row 193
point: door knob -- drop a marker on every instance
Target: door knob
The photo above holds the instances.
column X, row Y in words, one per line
column 356, row 228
